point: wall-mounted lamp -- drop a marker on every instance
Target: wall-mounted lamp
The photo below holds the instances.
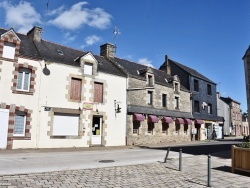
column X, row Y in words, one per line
column 117, row 107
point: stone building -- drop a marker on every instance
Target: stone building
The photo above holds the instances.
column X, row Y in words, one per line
column 158, row 106
column 203, row 98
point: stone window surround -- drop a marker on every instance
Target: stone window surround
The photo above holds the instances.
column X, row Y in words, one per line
column 94, row 67
column 65, row 111
column 10, row 37
column 147, row 79
column 105, row 86
column 12, row 109
column 32, row 79
column 68, row 87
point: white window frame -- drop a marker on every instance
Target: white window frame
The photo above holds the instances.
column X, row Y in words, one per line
column 150, row 97
column 88, row 68
column 176, row 102
column 23, row 71
column 9, row 50
column 23, row 125
column 209, row 109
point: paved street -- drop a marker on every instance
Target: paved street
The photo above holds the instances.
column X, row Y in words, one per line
column 131, row 168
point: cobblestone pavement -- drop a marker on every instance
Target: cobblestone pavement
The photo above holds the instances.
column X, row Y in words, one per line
column 145, row 175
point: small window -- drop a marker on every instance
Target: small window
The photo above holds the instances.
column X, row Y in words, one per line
column 150, row 97
column 209, row 90
column 176, row 102
column 9, row 50
column 196, row 85
column 164, row 100
column 176, row 87
column 177, row 128
column 150, row 127
column 23, row 79
column 165, row 128
column 209, row 108
column 98, row 92
column 196, row 106
column 19, row 124
column 185, row 128
column 136, row 126
column 76, row 89
column 150, row 80
column 88, row 68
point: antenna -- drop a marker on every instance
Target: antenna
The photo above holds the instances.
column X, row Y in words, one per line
column 45, row 15
column 115, row 32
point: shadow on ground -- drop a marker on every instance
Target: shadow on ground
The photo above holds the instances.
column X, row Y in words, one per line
column 228, row 169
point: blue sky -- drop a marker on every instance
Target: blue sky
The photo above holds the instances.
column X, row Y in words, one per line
column 210, row 36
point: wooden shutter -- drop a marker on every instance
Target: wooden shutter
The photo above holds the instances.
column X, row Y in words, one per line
column 76, row 88
column 98, row 92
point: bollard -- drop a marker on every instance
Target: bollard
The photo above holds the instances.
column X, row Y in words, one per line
column 165, row 160
column 180, row 159
column 209, row 171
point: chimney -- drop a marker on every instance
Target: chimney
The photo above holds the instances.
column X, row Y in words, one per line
column 107, row 50
column 167, row 65
column 35, row 33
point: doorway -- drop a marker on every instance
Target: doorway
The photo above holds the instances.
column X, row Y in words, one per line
column 4, row 121
column 96, row 138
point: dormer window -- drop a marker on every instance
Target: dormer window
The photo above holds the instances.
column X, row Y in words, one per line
column 9, row 50
column 150, row 80
column 88, row 68
column 176, row 87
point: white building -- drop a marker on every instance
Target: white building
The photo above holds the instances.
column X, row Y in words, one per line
column 54, row 96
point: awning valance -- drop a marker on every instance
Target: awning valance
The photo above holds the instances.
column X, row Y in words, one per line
column 179, row 120
column 199, row 121
column 187, row 121
column 138, row 117
column 152, row 118
column 167, row 119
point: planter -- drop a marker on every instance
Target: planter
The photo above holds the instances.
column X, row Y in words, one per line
column 240, row 159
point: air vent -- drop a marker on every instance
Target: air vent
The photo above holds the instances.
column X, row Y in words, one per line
column 60, row 52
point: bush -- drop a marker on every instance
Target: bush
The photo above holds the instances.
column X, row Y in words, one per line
column 244, row 145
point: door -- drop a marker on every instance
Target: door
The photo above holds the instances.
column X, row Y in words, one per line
column 97, row 131
column 4, row 119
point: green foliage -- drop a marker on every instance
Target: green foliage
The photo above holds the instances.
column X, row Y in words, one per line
column 244, row 145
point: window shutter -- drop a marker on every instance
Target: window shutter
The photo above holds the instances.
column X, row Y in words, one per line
column 98, row 93
column 76, row 88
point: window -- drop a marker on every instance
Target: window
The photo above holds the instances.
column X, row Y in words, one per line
column 209, row 91
column 98, row 92
column 150, row 80
column 150, row 97
column 165, row 127
column 196, row 85
column 209, row 108
column 164, row 100
column 76, row 89
column 196, row 106
column 150, row 127
column 176, row 85
column 186, row 128
column 177, row 128
column 176, row 102
column 23, row 79
column 19, row 124
column 88, row 68
column 9, row 50
column 136, row 126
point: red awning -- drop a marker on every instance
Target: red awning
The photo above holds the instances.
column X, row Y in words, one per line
column 180, row 120
column 199, row 121
column 138, row 117
column 167, row 119
column 187, row 121
column 152, row 118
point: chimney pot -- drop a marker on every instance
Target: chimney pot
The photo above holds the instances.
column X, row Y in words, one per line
column 35, row 33
column 107, row 50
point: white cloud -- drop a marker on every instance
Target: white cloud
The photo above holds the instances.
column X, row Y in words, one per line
column 69, row 37
column 146, row 62
column 56, row 11
column 78, row 16
column 22, row 17
column 90, row 40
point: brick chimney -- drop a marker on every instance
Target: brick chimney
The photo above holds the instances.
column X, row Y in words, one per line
column 35, row 33
column 167, row 65
column 107, row 50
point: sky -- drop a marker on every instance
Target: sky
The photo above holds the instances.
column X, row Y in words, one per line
column 210, row 36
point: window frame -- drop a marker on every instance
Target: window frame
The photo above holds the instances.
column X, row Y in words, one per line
column 176, row 102
column 24, row 115
column 96, row 98
column 209, row 89
column 9, row 50
column 150, row 98
column 164, row 100
column 151, row 126
column 165, row 131
column 72, row 90
column 23, row 71
column 209, row 108
column 136, row 126
column 196, row 106
column 87, row 67
column 196, row 85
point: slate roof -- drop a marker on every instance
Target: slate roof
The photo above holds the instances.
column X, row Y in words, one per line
column 50, row 51
column 133, row 68
column 247, row 53
column 189, row 70
column 228, row 100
